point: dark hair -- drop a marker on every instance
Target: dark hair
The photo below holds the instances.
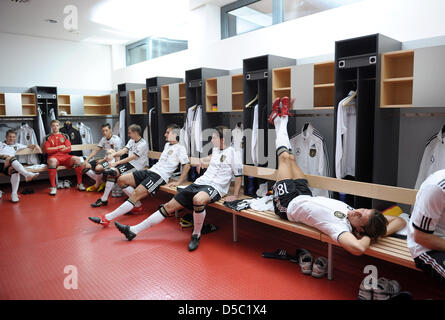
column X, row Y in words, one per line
column 10, row 131
column 376, row 226
column 106, row 125
column 224, row 132
column 135, row 128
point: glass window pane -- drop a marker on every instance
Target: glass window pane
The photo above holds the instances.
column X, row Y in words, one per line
column 151, row 48
column 251, row 17
column 294, row 9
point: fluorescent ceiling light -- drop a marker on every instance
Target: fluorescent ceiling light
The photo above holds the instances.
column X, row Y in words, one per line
column 142, row 18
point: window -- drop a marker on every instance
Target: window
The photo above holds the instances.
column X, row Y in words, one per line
column 247, row 15
column 151, row 48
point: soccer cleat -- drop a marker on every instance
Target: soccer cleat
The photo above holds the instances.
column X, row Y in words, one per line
column 366, row 292
column 92, row 188
column 276, row 110
column 125, row 230
column 100, row 220
column 14, row 197
column 306, row 261
column 386, row 289
column 31, row 176
column 286, row 107
column 66, row 184
column 320, row 267
column 99, row 203
column 81, row 187
column 53, row 191
column 194, row 242
column 101, row 187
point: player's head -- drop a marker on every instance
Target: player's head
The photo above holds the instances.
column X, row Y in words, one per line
column 172, row 133
column 370, row 222
column 220, row 137
column 106, row 130
column 110, row 154
column 134, row 132
column 11, row 137
column 55, row 126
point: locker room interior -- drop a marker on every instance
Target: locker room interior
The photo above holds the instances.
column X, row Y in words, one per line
column 92, row 69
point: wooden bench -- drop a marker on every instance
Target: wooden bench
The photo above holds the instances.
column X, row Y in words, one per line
column 389, row 248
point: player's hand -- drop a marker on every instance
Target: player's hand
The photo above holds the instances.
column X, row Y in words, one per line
column 173, row 184
column 231, row 198
column 114, row 164
column 64, row 149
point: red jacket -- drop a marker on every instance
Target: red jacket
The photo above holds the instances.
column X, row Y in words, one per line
column 54, row 140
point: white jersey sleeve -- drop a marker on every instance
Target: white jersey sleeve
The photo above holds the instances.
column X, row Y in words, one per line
column 236, row 164
column 101, row 143
column 428, row 209
column 182, row 155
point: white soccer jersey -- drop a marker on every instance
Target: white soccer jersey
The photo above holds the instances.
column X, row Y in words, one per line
column 86, row 136
column 345, row 138
column 27, row 136
column 429, row 211
column 171, row 157
column 311, row 154
column 433, row 158
column 41, row 128
column 330, row 216
column 139, row 148
column 196, row 131
column 10, row 149
column 223, row 165
column 114, row 143
column 254, row 148
column 237, row 141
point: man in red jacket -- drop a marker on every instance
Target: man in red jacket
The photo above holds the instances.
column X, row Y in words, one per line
column 58, row 146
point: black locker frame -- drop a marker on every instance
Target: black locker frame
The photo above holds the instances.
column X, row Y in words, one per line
column 357, row 67
column 195, row 92
column 123, row 91
column 46, row 98
column 160, row 120
column 257, row 79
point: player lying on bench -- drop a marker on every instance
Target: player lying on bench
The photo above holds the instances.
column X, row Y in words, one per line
column 149, row 181
column 224, row 163
column 353, row 229
column 9, row 165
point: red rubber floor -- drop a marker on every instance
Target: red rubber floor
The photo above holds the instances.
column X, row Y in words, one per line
column 41, row 235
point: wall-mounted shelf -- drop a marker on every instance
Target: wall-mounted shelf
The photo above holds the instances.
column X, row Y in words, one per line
column 132, row 102
column 324, row 88
column 144, row 101
column 29, row 104
column 2, row 105
column 97, row 105
column 64, row 103
column 224, row 94
column 397, row 79
column 173, row 98
column 281, row 83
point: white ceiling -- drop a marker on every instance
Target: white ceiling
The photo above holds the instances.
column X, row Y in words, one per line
column 119, row 21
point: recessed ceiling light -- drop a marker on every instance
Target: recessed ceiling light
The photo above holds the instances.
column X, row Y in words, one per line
column 51, row 21
column 20, row 1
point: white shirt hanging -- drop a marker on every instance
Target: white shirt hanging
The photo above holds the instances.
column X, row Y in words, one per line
column 26, row 136
column 345, row 138
column 86, row 136
column 309, row 149
column 254, row 150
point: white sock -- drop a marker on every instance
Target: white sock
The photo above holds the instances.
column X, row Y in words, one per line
column 282, row 139
column 90, row 173
column 198, row 221
column 152, row 220
column 108, row 187
column 15, row 181
column 129, row 191
column 19, row 168
column 125, row 207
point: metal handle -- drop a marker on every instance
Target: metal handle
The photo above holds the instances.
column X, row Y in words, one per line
column 372, row 60
column 341, row 63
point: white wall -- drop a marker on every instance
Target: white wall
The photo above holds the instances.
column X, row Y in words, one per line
column 314, row 35
column 29, row 61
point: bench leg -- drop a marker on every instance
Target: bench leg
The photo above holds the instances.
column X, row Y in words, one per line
column 330, row 262
column 235, row 227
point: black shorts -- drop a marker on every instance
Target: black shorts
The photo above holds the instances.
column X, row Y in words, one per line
column 284, row 191
column 433, row 263
column 149, row 179
column 123, row 168
column 185, row 196
column 3, row 169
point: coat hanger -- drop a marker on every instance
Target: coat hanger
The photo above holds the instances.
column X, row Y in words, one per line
column 349, row 99
column 248, row 105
